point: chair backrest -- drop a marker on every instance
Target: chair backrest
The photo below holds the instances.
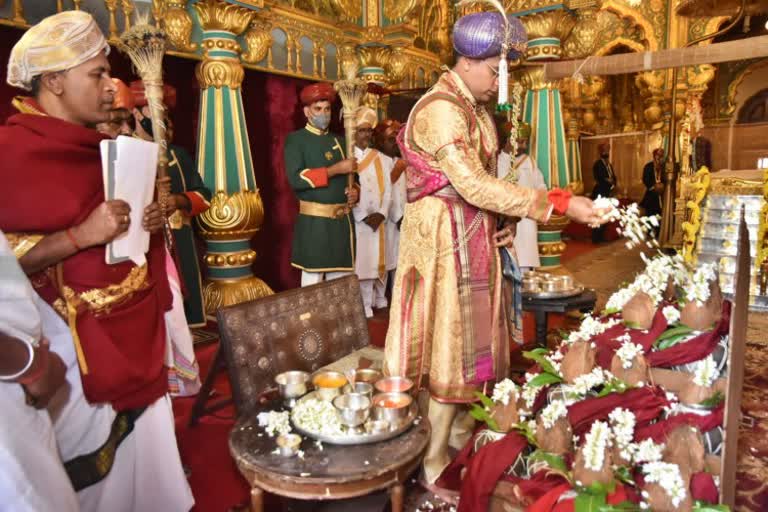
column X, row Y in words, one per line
column 300, row 329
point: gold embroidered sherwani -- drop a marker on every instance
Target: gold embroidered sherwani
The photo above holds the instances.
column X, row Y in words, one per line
column 451, row 146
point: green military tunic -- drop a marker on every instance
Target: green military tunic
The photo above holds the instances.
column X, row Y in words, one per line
column 320, row 243
column 186, row 180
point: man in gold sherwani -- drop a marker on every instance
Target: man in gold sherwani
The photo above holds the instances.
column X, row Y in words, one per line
column 447, row 328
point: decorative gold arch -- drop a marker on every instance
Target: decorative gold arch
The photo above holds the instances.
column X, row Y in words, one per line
column 619, row 41
column 733, row 88
column 637, row 18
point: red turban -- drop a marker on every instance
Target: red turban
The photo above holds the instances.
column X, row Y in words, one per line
column 169, row 95
column 123, row 96
column 321, row 91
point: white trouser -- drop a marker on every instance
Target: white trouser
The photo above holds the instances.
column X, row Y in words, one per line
column 380, row 292
column 310, row 278
column 147, row 472
column 372, row 291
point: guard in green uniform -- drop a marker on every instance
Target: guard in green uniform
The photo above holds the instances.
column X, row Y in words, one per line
column 316, row 166
column 189, row 197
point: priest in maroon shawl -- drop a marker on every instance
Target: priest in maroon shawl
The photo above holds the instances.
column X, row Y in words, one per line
column 57, row 215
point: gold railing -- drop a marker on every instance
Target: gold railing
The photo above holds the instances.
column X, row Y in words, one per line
column 281, row 40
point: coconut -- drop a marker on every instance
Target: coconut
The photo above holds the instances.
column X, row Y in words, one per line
column 658, row 500
column 639, row 311
column 587, row 477
column 505, row 415
column 693, row 394
column 700, row 317
column 555, row 440
column 579, row 360
column 633, row 375
column 685, row 448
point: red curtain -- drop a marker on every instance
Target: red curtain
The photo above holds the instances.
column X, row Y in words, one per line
column 272, row 110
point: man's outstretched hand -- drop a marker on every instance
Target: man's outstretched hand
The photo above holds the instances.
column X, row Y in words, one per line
column 582, row 210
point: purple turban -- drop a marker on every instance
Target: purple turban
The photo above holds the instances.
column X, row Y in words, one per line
column 480, row 36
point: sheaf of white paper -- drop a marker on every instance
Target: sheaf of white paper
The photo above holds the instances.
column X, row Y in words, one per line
column 134, row 175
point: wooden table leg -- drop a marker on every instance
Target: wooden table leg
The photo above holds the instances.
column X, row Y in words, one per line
column 541, row 327
column 257, row 499
column 396, row 495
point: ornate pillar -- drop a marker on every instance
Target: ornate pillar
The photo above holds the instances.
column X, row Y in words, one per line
column 224, row 159
column 571, row 118
column 543, row 110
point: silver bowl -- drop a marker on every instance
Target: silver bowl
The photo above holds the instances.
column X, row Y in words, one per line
column 394, row 385
column 360, row 388
column 353, row 408
column 392, row 407
column 292, row 385
column 377, row 426
column 328, row 385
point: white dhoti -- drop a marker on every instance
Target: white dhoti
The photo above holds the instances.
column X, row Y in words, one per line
column 310, row 278
column 183, row 371
column 147, row 473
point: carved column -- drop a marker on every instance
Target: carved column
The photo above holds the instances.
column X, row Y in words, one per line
column 224, row 159
column 544, row 112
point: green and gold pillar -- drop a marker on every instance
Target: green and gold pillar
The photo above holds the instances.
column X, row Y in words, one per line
column 224, row 159
column 543, row 110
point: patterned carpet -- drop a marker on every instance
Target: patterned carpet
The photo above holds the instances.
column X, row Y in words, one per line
column 604, row 269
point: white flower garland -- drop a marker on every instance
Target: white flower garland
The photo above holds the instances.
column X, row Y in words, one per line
column 652, row 281
column 503, row 391
column 583, row 384
column 274, row 422
column 668, row 477
column 697, row 288
column 672, row 314
column 552, row 413
column 589, row 328
column 628, row 352
column 636, row 228
column 623, row 427
column 706, row 372
column 647, row 451
column 317, row 416
column 595, row 443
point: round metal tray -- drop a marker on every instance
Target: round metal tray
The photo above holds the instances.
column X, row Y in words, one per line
column 350, row 438
column 560, row 294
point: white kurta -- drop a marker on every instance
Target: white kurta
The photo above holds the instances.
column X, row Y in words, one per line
column 32, row 477
column 374, row 169
column 527, row 175
column 396, row 212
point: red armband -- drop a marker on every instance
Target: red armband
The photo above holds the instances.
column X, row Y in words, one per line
column 317, row 178
column 197, row 203
column 560, row 200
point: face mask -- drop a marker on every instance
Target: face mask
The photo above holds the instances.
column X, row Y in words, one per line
column 146, row 125
column 320, row 121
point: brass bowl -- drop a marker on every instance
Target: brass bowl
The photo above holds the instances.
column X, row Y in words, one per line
column 367, row 375
column 392, row 407
column 394, row 385
column 328, row 385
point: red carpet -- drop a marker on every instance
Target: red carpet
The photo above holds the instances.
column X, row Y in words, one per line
column 216, row 483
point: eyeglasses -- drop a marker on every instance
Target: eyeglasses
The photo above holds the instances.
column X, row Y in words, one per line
column 494, row 70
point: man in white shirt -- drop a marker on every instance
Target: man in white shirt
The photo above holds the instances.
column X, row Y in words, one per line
column 374, row 169
column 521, row 169
column 385, row 138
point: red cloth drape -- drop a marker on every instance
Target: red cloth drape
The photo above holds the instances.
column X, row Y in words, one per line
column 646, row 403
column 661, row 429
column 54, row 170
column 607, row 344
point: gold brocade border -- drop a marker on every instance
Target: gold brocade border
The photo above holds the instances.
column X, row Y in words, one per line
column 21, row 243
column 101, row 300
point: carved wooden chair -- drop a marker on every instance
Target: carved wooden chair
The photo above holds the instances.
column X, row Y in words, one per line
column 300, row 329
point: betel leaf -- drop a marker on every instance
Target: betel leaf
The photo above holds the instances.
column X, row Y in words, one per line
column 588, row 502
column 624, row 475
column 613, row 386
column 487, row 402
column 480, row 414
column 544, row 379
column 703, row 506
column 538, row 356
column 524, row 428
column 673, row 332
column 631, row 325
column 624, row 506
column 714, row 400
column 601, row 488
column 552, row 460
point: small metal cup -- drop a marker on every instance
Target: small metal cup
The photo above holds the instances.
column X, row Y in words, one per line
column 393, row 415
column 328, row 393
column 361, row 388
column 288, row 444
column 353, row 408
column 367, row 375
column 394, row 385
column 292, row 385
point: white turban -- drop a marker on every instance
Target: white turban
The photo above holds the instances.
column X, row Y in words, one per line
column 59, row 42
column 365, row 115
